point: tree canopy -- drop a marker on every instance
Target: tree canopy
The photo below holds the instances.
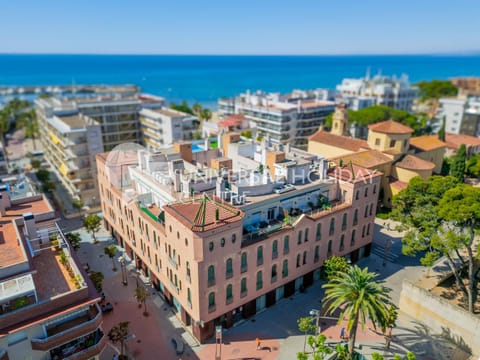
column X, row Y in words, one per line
column 436, row 89
column 457, row 166
column 334, row 265
column 472, row 167
column 92, row 223
column 441, row 216
column 378, row 113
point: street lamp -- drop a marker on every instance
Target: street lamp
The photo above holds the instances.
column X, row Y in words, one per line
column 388, row 247
column 316, row 313
column 124, row 270
column 218, row 343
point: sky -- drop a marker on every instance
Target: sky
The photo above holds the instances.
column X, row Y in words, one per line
column 239, row 26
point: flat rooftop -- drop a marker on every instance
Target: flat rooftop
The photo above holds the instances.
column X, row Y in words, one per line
column 73, row 121
column 170, row 112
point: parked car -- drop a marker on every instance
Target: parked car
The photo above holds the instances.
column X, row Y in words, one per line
column 107, row 307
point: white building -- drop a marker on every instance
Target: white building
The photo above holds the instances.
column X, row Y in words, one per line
column 379, row 90
column 462, row 115
column 285, row 119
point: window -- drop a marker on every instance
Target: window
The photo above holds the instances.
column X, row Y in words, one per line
column 229, row 294
column 285, row 268
column 222, row 242
column 342, row 243
column 274, row 273
column 271, row 213
column 405, row 143
column 332, row 226
column 243, row 286
column 211, row 301
column 352, row 241
column 355, row 217
column 211, row 275
column 368, row 229
column 259, row 255
column 304, row 262
column 392, row 143
column 366, row 211
column 374, row 189
column 319, row 232
column 377, row 142
column 306, row 235
column 371, row 210
column 299, row 240
column 259, row 280
column 329, row 251
column 243, row 265
column 189, row 296
column 229, row 268
column 210, row 246
column 286, row 246
column 188, row 271
column 363, row 231
column 274, row 249
column 298, row 260
column 366, row 191
column 317, row 254
column 357, row 195
column 344, row 221
column 234, row 238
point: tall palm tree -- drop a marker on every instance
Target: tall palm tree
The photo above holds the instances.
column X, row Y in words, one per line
column 359, row 296
column 205, row 114
column 4, row 126
column 31, row 127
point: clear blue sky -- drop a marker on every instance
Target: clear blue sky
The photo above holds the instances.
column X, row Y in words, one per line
column 239, row 26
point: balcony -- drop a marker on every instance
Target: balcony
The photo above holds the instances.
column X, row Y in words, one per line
column 71, row 329
column 211, row 282
column 212, row 308
column 229, row 300
column 260, row 231
column 82, row 348
column 228, row 275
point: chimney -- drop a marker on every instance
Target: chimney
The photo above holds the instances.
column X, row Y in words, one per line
column 29, row 220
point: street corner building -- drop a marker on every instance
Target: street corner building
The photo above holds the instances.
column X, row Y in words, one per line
column 222, row 240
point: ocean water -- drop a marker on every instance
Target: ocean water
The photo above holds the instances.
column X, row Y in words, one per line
column 204, row 79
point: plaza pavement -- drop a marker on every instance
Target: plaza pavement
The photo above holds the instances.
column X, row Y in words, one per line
column 276, row 326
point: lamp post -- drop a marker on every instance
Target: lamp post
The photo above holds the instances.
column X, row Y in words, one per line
column 388, row 247
column 124, row 271
column 218, row 343
column 316, row 313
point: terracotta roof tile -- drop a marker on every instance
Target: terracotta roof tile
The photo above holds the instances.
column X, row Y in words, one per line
column 390, row 127
column 199, row 214
column 232, row 120
column 427, row 142
column 455, row 140
column 343, row 142
column 411, row 162
column 397, row 184
column 368, row 159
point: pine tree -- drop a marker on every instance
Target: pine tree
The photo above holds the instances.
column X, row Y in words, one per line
column 457, row 167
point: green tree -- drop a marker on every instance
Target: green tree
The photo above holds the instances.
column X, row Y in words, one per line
column 472, row 167
column 77, row 204
column 111, row 251
column 197, row 135
column 97, row 280
column 436, row 89
column 319, row 350
column 35, row 164
column 409, row 356
column 359, row 296
column 446, row 166
column 74, row 239
column 183, row 107
column 335, row 264
column 119, row 333
column 43, row 175
column 4, row 126
column 93, row 223
column 389, row 323
column 441, row 132
column 459, row 208
column 205, row 114
column 141, row 295
column 247, row 134
column 305, row 326
column 48, row 186
column 457, row 166
column 197, row 109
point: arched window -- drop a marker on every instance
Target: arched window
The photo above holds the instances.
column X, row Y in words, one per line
column 229, row 268
column 243, row 286
column 371, row 210
column 285, row 268
column 366, row 211
column 329, row 251
column 363, row 231
column 319, row 232
column 286, row 245
column 306, row 235
column 342, row 243
column 211, row 300
column 344, row 221
column 211, row 275
column 234, row 238
column 243, row 265
column 229, row 293
column 222, row 242
column 274, row 273
column 368, row 229
column 357, row 194
column 299, row 240
column 332, row 226
column 188, row 271
column 274, row 249
column 259, row 280
column 366, row 191
column 374, row 189
column 317, row 254
column 260, row 255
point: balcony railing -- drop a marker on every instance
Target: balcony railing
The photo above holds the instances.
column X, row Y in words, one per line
column 212, row 308
column 228, row 274
column 211, row 282
column 89, row 352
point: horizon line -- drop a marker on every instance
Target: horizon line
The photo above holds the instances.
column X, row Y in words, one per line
column 456, row 53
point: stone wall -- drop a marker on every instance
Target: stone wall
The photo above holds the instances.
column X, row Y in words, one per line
column 440, row 315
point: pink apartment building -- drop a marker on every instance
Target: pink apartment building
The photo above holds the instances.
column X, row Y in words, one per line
column 217, row 263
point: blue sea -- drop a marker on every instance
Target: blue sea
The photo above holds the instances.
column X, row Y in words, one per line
column 204, row 79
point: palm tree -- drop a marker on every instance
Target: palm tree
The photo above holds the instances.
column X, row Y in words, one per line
column 4, row 126
column 31, row 126
column 205, row 114
column 358, row 295
column 197, row 109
